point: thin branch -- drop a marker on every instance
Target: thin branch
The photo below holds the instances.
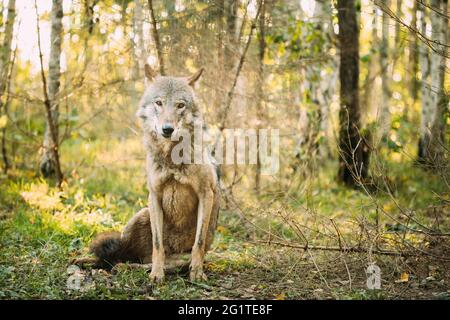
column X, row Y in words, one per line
column 155, row 35
column 429, row 42
column 230, row 94
column 439, row 12
column 353, row 250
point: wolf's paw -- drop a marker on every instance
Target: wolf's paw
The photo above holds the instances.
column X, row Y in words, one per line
column 81, row 262
column 157, row 276
column 197, row 274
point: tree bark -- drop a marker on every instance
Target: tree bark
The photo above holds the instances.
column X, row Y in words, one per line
column 50, row 162
column 385, row 115
column 218, row 94
column 260, row 89
column 425, row 75
column 434, row 153
column 398, row 13
column 413, row 58
column 369, row 87
column 319, row 87
column 5, row 69
column 5, row 54
column 231, row 39
column 352, row 169
column 328, row 82
column 89, row 15
column 140, row 55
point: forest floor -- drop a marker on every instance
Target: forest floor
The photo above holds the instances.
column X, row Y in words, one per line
column 42, row 229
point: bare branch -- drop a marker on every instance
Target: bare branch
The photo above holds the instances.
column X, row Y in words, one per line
column 155, row 35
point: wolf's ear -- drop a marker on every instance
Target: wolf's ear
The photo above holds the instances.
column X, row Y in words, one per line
column 194, row 77
column 150, row 74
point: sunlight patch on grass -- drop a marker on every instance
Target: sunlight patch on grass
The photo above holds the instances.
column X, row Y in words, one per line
column 231, row 260
column 66, row 220
column 41, row 197
column 119, row 153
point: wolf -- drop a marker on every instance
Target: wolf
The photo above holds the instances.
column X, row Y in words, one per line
column 183, row 197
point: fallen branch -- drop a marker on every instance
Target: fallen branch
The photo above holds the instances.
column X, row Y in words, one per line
column 171, row 266
column 351, row 250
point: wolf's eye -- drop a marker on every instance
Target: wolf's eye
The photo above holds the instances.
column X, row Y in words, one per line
column 180, row 105
column 158, row 103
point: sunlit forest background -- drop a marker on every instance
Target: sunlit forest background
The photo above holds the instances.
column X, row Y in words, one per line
column 359, row 92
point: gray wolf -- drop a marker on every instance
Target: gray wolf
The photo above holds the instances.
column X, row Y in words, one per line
column 183, row 198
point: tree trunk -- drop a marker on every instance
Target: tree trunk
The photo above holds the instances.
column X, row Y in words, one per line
column 329, row 81
column 413, row 58
column 385, row 115
column 218, row 94
column 398, row 13
column 155, row 35
column 369, row 94
column 319, row 82
column 50, row 159
column 435, row 149
column 87, row 18
column 5, row 63
column 5, row 54
column 424, row 138
column 352, row 169
column 231, row 44
column 139, row 53
column 260, row 89
column 89, row 15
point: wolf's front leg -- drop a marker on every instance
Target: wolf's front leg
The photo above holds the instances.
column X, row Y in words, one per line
column 198, row 250
column 158, row 255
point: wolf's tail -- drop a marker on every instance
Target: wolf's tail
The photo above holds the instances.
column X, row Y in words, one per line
column 109, row 248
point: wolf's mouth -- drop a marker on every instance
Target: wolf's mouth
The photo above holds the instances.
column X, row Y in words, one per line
column 167, row 136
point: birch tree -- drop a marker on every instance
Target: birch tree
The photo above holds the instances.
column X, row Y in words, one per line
column 413, row 56
column 50, row 158
column 5, row 64
column 369, row 93
column 435, row 148
column 5, row 54
column 425, row 88
column 384, row 65
column 260, row 87
column 327, row 71
column 140, row 54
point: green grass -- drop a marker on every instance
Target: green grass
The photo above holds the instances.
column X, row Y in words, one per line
column 42, row 229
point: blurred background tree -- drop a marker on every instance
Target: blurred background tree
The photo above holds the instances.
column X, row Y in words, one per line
column 284, row 74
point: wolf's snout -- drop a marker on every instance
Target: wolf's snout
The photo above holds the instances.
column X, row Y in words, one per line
column 167, row 130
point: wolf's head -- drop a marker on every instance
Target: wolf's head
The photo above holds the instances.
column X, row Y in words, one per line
column 168, row 104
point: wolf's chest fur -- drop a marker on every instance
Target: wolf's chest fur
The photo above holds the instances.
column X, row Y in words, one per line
column 179, row 204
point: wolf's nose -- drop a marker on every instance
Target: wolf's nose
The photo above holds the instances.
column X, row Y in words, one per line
column 167, row 129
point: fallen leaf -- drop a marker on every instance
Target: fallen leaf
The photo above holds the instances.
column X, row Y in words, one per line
column 280, row 296
column 404, row 277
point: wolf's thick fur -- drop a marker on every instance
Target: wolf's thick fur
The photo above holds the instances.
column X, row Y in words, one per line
column 184, row 198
